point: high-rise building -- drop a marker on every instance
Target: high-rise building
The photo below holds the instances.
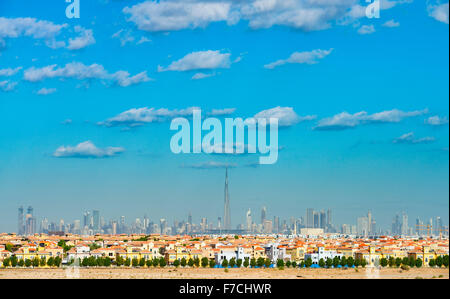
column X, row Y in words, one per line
column 96, row 220
column 316, row 218
column 404, row 227
column 362, row 226
column 263, row 214
column 329, row 225
column 369, row 221
column 20, row 224
column 322, row 220
column 309, row 218
column 226, row 213
column 248, row 218
column 276, row 224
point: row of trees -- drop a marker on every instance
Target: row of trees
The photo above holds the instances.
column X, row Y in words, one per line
column 36, row 262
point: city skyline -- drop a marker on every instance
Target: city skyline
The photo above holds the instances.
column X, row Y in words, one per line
column 362, row 106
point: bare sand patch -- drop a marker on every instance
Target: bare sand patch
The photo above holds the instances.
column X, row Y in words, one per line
column 207, row 273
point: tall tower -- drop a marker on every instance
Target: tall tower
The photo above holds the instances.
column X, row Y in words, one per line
column 263, row 214
column 20, row 228
column 226, row 215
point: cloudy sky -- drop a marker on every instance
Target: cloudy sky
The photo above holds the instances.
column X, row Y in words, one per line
column 86, row 106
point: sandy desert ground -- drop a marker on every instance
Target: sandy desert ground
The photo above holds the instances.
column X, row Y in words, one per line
column 200, row 273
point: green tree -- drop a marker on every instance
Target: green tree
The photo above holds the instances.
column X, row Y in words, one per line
column 329, row 262
column 21, row 263
column 336, row 261
column 50, row 262
column 288, row 264
column 363, row 262
column 383, row 262
column 439, row 261
column 35, row 262
column 260, row 262
column 246, row 262
column 445, row 260
column 405, row 261
column 205, row 262
column 308, row 262
column 14, row 261
column 190, row 262
column 212, row 263
column 141, row 262
column 107, row 262
column 398, row 262
column 183, row 262
column 267, row 263
column 57, row 261
column 127, row 262
column 391, row 261
column 432, row 263
column 135, row 262
column 232, row 262
column 412, row 262
column 343, row 261
column 155, row 262
column 149, row 263
column 197, row 262
column 280, row 263
column 350, row 262
column 162, row 262
column 119, row 261
column 176, row 263
column 419, row 263
column 357, row 263
column 321, row 263
column 302, row 264
column 239, row 263
column 6, row 262
column 28, row 263
column 9, row 247
column 294, row 264
column 253, row 263
column 225, row 263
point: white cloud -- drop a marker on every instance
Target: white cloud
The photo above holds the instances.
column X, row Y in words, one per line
column 366, row 29
column 139, row 116
column 436, row 120
column 345, row 120
column 17, row 27
column 199, row 76
column 221, row 112
column 80, row 71
column 391, row 24
column 44, row 30
column 310, row 57
column 286, row 116
column 85, row 38
column 409, row 138
column 201, row 60
column 143, row 40
column 177, row 15
column 439, row 12
column 8, row 72
column 86, row 150
column 7, row 85
column 306, row 15
column 46, row 91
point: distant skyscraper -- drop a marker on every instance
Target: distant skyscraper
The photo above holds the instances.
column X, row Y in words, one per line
column 310, row 218
column 248, row 218
column 405, row 229
column 190, row 218
column 20, row 225
column 316, row 220
column 96, row 218
column 369, row 221
column 323, row 219
column 263, row 214
column 30, row 222
column 226, row 214
column 329, row 219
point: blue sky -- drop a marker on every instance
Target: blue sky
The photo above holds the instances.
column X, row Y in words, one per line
column 375, row 90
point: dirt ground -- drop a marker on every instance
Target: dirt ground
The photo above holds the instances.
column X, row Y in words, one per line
column 207, row 273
